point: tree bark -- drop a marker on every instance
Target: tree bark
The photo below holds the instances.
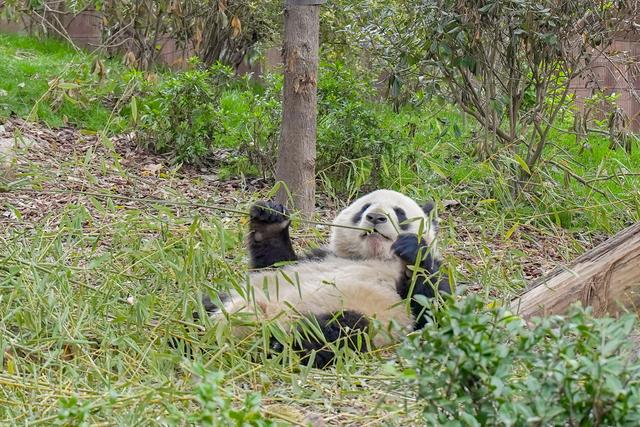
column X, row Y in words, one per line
column 606, row 278
column 297, row 151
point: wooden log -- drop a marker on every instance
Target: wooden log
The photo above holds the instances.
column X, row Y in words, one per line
column 607, row 278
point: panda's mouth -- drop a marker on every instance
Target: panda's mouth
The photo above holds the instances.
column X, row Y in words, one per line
column 375, row 234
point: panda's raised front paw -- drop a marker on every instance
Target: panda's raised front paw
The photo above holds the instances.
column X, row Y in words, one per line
column 269, row 212
column 407, row 247
column 268, row 220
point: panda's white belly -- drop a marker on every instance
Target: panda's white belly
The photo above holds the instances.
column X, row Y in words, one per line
column 334, row 284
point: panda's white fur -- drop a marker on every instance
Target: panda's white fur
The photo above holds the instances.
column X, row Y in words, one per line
column 359, row 274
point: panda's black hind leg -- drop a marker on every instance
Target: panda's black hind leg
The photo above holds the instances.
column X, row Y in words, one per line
column 210, row 306
column 344, row 328
column 269, row 240
column 408, row 247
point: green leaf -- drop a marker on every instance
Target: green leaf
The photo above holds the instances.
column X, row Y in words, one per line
column 469, row 420
column 96, row 262
column 437, row 170
column 498, row 386
column 67, row 85
column 421, row 299
column 134, row 109
column 96, row 204
column 522, row 163
column 486, row 201
column 409, row 374
column 512, row 230
column 486, row 8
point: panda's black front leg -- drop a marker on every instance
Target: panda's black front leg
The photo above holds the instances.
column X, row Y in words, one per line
column 409, row 247
column 269, row 240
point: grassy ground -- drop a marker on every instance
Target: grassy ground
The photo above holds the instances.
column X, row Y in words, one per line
column 93, row 287
column 50, row 81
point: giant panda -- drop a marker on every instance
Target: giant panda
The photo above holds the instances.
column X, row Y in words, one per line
column 365, row 276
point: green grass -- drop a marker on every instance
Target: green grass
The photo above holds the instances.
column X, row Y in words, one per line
column 91, row 294
column 600, row 193
column 28, row 71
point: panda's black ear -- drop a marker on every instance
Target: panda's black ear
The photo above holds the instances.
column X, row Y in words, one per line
column 428, row 207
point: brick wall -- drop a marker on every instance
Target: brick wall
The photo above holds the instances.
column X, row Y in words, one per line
column 618, row 74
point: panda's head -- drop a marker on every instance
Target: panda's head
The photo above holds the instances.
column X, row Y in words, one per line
column 387, row 214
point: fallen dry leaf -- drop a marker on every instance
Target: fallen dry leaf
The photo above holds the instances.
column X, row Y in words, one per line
column 152, row 169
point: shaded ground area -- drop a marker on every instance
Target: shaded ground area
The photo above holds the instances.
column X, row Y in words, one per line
column 61, row 167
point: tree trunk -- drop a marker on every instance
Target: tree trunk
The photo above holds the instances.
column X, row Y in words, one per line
column 297, row 152
column 606, row 278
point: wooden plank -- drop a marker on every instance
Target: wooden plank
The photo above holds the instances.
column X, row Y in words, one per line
column 606, row 278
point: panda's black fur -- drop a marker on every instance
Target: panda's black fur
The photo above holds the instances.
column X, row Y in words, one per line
column 360, row 277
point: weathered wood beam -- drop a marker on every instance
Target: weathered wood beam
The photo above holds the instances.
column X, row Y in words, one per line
column 606, row 277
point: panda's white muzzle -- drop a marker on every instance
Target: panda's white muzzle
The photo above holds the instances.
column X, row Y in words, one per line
column 374, row 233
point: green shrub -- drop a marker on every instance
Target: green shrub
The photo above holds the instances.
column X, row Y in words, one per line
column 477, row 366
column 360, row 141
column 364, row 142
column 193, row 112
column 350, row 133
column 177, row 116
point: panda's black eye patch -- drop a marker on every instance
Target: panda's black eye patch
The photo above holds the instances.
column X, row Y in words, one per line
column 402, row 217
column 358, row 216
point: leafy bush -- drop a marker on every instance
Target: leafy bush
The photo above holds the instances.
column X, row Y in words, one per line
column 360, row 141
column 350, row 131
column 485, row 367
column 192, row 112
column 177, row 117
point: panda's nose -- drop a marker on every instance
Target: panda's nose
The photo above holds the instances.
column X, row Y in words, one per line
column 376, row 218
